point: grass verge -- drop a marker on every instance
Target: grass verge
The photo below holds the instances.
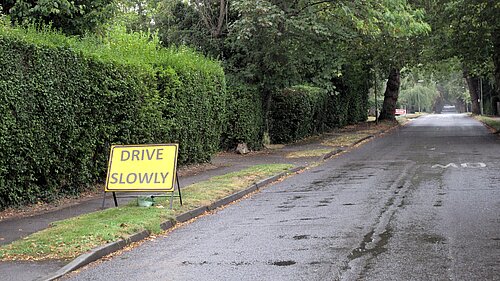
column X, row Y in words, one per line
column 345, row 140
column 490, row 121
column 308, row 153
column 403, row 119
column 72, row 237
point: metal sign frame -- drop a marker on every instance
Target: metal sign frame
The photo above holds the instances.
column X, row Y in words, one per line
column 170, row 188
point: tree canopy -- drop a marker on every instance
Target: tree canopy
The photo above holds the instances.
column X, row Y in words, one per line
column 273, row 44
column 468, row 31
column 72, row 17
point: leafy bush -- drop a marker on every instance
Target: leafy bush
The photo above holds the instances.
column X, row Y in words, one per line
column 64, row 101
column 246, row 116
column 297, row 112
column 301, row 111
column 358, row 86
column 349, row 104
column 60, row 112
column 193, row 104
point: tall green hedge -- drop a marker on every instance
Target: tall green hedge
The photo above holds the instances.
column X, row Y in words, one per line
column 297, row 112
column 62, row 108
column 301, row 111
column 246, row 116
column 357, row 85
column 192, row 102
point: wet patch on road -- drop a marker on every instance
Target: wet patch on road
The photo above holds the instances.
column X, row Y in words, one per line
column 312, row 219
column 286, row 206
column 303, row 219
column 283, row 263
column 433, row 239
column 375, row 242
column 348, row 204
column 240, row 263
column 317, row 171
column 194, row 263
column 289, row 203
column 378, row 248
column 301, row 237
column 361, row 250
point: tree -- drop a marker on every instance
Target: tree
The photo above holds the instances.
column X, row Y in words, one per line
column 182, row 23
column 419, row 91
column 275, row 43
column 470, row 33
column 214, row 14
column 475, row 31
column 394, row 44
column 72, row 17
column 453, row 88
column 136, row 15
column 382, row 27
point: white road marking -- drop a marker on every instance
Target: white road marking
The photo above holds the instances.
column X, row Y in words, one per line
column 463, row 165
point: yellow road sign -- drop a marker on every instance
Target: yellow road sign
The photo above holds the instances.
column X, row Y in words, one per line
column 142, row 167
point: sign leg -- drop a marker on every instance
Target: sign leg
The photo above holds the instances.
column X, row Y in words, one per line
column 172, row 200
column 114, row 198
column 103, row 200
column 178, row 187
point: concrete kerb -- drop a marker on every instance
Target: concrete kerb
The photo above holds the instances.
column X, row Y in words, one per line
column 112, row 247
column 96, row 254
column 362, row 140
column 235, row 196
column 339, row 150
column 492, row 129
column 331, row 154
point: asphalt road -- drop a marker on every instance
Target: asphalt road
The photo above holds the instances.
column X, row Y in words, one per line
column 422, row 203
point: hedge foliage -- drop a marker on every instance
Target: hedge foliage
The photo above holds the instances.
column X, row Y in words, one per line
column 297, row 112
column 301, row 111
column 246, row 116
column 64, row 101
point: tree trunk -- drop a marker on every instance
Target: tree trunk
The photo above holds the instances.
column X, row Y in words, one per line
column 222, row 16
column 391, row 95
column 474, row 91
column 213, row 23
